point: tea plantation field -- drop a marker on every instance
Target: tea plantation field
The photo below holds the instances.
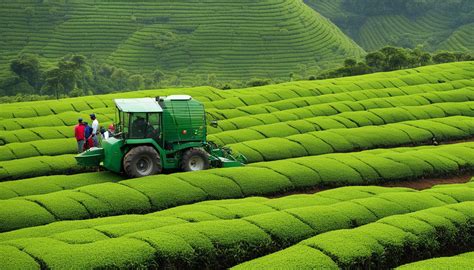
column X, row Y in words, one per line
column 233, row 40
column 314, row 195
column 431, row 26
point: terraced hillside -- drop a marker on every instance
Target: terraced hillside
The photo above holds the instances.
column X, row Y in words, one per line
column 193, row 39
column 434, row 27
column 346, row 138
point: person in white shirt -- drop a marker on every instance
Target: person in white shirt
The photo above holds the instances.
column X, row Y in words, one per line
column 95, row 130
column 109, row 133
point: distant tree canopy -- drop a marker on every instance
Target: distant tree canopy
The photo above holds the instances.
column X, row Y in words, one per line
column 393, row 58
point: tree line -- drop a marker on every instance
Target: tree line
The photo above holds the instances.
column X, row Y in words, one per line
column 392, row 58
column 73, row 75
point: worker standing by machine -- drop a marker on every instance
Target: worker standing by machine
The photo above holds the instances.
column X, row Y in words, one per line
column 79, row 133
column 95, row 130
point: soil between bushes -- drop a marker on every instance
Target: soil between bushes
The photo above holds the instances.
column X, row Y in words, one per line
column 418, row 184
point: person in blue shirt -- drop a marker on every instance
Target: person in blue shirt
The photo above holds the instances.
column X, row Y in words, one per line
column 88, row 132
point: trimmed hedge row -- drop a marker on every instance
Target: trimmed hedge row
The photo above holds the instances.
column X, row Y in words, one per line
column 99, row 102
column 309, row 143
column 52, row 147
column 265, row 105
column 332, row 108
column 348, row 140
column 460, row 262
column 35, row 134
column 384, row 244
column 53, row 183
column 38, row 166
column 69, row 116
column 348, row 87
column 205, row 211
column 222, row 243
column 63, row 119
column 163, row 191
column 344, row 120
column 359, row 118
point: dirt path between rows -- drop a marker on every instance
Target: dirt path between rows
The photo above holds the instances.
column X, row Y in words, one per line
column 429, row 182
column 419, row 184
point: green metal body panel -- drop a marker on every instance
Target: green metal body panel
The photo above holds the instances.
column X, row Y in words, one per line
column 113, row 154
column 91, row 157
column 183, row 121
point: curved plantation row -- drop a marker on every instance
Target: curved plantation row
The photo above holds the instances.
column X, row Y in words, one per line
column 163, row 191
column 227, row 209
column 355, row 139
column 461, row 39
column 359, row 95
column 53, row 183
column 285, row 94
column 38, row 166
column 20, row 160
column 378, row 31
column 384, row 244
column 327, row 141
column 371, row 117
column 98, row 102
column 287, row 111
column 52, row 147
column 211, row 241
column 458, row 262
column 52, row 127
column 49, row 184
column 35, row 134
column 62, row 119
column 359, row 118
column 333, row 108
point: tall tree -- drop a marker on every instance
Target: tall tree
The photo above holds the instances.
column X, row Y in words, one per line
column 28, row 68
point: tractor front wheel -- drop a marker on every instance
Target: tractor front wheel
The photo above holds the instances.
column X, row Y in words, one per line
column 142, row 161
column 195, row 159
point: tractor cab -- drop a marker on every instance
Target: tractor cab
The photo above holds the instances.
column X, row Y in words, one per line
column 138, row 118
column 153, row 134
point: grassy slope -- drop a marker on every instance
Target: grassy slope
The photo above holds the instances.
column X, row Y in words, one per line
column 231, row 39
column 378, row 31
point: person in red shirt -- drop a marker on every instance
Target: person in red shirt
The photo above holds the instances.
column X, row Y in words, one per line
column 79, row 131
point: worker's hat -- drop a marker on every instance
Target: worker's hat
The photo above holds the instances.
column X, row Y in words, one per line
column 92, row 115
column 80, row 119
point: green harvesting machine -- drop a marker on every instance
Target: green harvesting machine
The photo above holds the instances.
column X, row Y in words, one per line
column 153, row 134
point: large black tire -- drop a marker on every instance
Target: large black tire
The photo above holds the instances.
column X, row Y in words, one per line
column 195, row 159
column 142, row 161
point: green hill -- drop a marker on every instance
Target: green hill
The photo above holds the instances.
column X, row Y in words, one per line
column 436, row 24
column 228, row 40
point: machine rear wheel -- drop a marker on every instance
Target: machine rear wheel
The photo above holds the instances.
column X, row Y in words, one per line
column 195, row 159
column 142, row 161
